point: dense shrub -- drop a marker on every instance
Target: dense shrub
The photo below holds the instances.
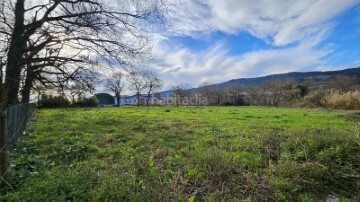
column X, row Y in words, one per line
column 348, row 100
column 240, row 101
column 53, row 102
column 59, row 102
column 86, row 102
column 315, row 99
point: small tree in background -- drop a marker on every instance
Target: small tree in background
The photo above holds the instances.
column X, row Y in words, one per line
column 137, row 83
column 205, row 89
column 179, row 91
column 116, row 83
column 344, row 83
column 152, row 83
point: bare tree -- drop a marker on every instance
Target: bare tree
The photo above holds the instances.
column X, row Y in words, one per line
column 137, row 83
column 179, row 91
column 79, row 84
column 235, row 95
column 48, row 36
column 205, row 90
column 152, row 83
column 39, row 90
column 54, row 73
column 79, row 32
column 79, row 89
column 344, row 83
column 218, row 95
column 278, row 91
column 254, row 94
column 116, row 84
column 75, row 90
column 5, row 33
column 231, row 94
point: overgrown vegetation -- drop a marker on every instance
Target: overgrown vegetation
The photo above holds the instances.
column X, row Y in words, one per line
column 62, row 102
column 338, row 92
column 348, row 100
column 53, row 102
column 186, row 154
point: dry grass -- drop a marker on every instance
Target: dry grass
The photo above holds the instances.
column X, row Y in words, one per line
column 348, row 100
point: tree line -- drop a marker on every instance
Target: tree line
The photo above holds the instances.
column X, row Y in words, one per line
column 338, row 92
column 138, row 82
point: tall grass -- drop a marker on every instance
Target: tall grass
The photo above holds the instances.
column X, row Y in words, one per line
column 348, row 100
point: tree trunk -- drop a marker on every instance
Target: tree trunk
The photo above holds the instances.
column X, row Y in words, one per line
column 26, row 90
column 148, row 95
column 118, row 98
column 72, row 98
column 15, row 54
column 138, row 99
column 12, row 77
column 147, row 100
column 1, row 79
column 38, row 96
column 177, row 101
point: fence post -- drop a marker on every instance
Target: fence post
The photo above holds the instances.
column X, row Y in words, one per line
column 4, row 153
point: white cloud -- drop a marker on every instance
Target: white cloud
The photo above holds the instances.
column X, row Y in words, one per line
column 277, row 22
column 179, row 64
column 302, row 23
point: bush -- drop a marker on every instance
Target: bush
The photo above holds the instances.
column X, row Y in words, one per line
column 53, row 102
column 86, row 102
column 315, row 99
column 348, row 100
column 59, row 102
column 238, row 102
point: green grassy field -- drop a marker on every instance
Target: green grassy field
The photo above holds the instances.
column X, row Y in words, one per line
column 186, row 154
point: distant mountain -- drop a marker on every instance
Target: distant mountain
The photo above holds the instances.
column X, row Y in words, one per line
column 317, row 77
column 299, row 77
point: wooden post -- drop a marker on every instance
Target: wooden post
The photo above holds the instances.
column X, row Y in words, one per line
column 4, row 153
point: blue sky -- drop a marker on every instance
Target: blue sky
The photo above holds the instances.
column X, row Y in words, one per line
column 215, row 41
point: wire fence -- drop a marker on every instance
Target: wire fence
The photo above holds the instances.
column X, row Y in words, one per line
column 17, row 118
column 12, row 125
